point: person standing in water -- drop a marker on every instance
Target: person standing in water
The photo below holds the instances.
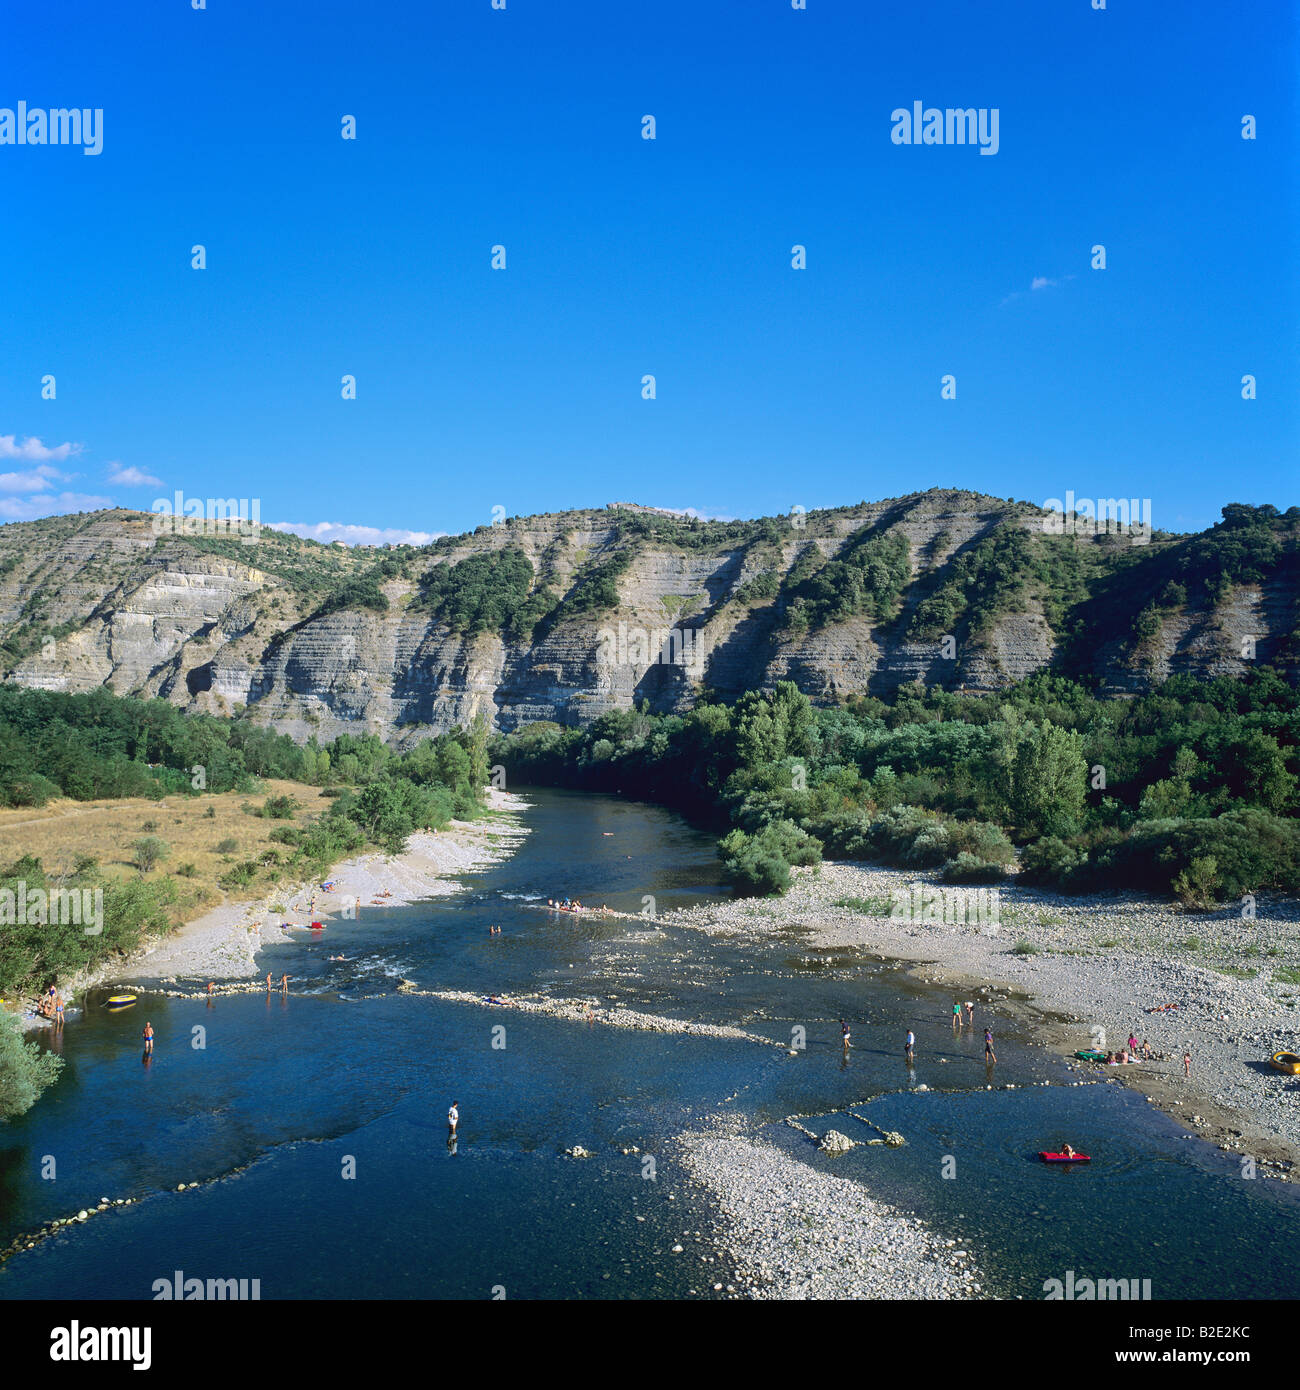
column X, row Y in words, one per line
column 909, row 1047
column 956, row 1015
column 453, row 1116
column 148, row 1039
column 844, row 1032
column 989, row 1054
column 284, row 984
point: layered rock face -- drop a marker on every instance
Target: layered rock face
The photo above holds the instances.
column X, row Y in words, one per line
column 98, row 599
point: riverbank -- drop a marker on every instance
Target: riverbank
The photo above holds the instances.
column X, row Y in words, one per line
column 1064, row 967
column 222, row 944
column 791, row 1231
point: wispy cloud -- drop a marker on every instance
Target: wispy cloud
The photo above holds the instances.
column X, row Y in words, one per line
column 131, row 477
column 1036, row 286
column 353, row 535
column 49, row 504
column 31, row 450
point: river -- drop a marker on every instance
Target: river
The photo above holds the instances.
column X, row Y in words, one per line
column 315, row 1125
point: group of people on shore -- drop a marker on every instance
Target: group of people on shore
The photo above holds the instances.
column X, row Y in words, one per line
column 573, row 905
column 50, row 1005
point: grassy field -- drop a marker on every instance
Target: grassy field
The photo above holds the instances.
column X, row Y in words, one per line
column 197, row 830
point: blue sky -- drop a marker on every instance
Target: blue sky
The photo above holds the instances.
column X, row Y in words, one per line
column 625, row 257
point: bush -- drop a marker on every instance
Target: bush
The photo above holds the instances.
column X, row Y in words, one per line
column 31, row 789
column 279, row 807
column 241, row 875
column 227, row 846
column 186, row 870
column 150, row 851
column 759, row 865
column 1199, row 885
column 968, row 868
column 1050, row 861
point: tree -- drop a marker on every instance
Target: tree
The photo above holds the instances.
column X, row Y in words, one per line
column 25, row 1071
column 1048, row 779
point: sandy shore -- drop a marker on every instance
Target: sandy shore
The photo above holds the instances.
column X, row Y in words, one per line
column 1096, row 963
column 223, row 943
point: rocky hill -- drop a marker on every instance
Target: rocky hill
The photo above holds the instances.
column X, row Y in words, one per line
column 565, row 615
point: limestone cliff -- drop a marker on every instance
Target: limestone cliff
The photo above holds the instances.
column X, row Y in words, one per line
column 99, row 599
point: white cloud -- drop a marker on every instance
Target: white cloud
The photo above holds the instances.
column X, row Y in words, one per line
column 131, row 477
column 36, row 479
column 327, row 531
column 32, row 450
column 1040, row 282
column 47, row 504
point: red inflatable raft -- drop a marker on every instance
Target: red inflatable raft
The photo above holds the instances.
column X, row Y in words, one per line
column 1065, row 1158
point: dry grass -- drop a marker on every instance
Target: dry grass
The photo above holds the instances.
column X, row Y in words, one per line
column 64, row 831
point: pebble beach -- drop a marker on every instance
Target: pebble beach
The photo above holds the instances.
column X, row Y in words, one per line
column 1070, row 966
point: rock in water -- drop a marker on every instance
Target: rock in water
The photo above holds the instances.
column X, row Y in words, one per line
column 892, row 1138
column 833, row 1142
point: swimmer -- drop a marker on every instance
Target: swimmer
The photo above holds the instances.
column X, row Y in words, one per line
column 148, row 1039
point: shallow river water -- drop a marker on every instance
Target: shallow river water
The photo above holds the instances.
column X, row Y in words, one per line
column 323, row 1115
